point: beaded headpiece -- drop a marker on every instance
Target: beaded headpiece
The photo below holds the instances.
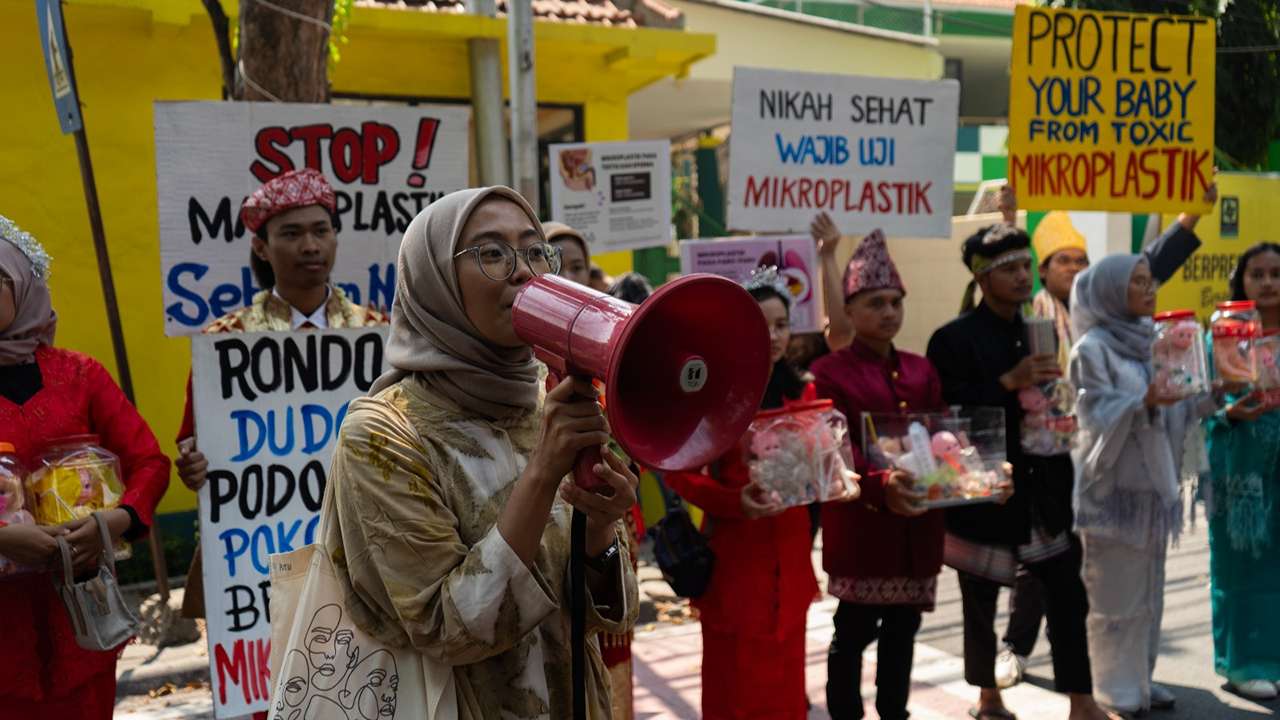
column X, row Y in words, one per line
column 29, row 246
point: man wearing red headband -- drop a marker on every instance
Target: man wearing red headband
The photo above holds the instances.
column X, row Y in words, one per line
column 293, row 220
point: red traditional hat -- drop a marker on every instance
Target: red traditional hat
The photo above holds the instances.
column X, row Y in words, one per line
column 871, row 268
column 294, row 189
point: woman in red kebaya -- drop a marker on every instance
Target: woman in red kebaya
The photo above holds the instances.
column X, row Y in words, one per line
column 882, row 553
column 753, row 612
column 47, row 393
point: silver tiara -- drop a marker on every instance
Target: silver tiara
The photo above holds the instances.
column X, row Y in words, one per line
column 766, row 276
column 29, row 246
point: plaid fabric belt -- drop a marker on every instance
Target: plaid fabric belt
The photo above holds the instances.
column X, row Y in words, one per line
column 999, row 563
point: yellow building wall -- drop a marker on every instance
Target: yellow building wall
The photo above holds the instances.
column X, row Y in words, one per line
column 803, row 46
column 125, row 59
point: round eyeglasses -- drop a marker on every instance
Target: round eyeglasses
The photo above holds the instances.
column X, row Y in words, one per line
column 497, row 260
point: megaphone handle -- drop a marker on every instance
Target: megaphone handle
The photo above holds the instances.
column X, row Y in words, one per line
column 584, row 474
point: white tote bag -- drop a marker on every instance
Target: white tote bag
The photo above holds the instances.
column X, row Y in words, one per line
column 326, row 668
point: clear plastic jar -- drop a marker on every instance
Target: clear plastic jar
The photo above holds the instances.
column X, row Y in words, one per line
column 75, row 478
column 1178, row 354
column 1236, row 326
column 1048, row 410
column 1267, row 352
column 13, row 501
column 801, row 454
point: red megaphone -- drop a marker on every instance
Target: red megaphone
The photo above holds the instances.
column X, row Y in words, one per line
column 684, row 372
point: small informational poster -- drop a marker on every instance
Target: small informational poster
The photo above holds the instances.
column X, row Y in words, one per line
column 795, row 257
column 617, row 194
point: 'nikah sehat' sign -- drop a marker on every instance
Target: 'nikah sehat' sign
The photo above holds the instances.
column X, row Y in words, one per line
column 1111, row 111
column 268, row 407
column 385, row 163
column 872, row 152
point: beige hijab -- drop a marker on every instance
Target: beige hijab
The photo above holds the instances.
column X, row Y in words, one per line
column 557, row 231
column 430, row 332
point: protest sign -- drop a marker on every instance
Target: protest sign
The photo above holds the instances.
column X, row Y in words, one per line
column 872, row 152
column 795, row 257
column 1247, row 214
column 268, row 407
column 618, row 195
column 385, row 163
column 1111, row 111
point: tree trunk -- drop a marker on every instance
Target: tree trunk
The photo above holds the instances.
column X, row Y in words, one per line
column 283, row 57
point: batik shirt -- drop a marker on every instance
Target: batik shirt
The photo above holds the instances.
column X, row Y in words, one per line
column 410, row 520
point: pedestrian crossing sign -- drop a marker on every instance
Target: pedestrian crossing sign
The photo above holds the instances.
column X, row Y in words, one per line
column 53, row 39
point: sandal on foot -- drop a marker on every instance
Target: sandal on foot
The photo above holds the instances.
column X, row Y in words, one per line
column 991, row 714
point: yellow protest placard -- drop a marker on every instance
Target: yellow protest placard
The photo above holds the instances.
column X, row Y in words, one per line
column 1247, row 214
column 1111, row 111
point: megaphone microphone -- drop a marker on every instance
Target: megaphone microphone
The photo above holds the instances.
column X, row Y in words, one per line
column 684, row 375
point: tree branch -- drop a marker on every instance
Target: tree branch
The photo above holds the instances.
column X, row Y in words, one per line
column 222, row 36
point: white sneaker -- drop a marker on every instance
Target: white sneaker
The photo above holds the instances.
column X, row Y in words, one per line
column 1162, row 698
column 1256, row 689
column 1009, row 669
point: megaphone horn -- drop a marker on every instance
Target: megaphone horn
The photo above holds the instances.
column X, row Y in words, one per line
column 684, row 372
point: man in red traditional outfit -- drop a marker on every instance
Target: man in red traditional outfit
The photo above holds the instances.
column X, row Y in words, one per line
column 293, row 219
column 882, row 553
column 48, row 394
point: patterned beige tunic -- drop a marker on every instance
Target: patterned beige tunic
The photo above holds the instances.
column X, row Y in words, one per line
column 410, row 515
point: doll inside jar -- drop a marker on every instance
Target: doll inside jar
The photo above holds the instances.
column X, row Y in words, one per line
column 1236, row 326
column 1176, row 354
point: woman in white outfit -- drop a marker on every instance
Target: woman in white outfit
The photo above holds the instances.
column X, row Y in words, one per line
column 1129, row 467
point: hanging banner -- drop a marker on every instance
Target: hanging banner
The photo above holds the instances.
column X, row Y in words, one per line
column 618, row 195
column 1247, row 214
column 872, row 152
column 385, row 164
column 1111, row 111
column 268, row 407
column 795, row 257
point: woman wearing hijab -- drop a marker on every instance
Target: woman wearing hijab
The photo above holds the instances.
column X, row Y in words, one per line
column 575, row 256
column 48, row 393
column 447, row 514
column 754, row 609
column 1129, row 469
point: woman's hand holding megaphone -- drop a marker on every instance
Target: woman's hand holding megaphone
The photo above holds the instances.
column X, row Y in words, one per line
column 572, row 420
column 603, row 511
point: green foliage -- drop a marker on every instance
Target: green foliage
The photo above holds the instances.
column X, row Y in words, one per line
column 1248, row 92
column 338, row 36
column 1247, row 112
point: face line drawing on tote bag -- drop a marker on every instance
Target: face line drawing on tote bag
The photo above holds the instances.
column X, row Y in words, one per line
column 318, row 683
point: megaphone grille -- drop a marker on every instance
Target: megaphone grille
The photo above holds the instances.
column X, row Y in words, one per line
column 689, row 374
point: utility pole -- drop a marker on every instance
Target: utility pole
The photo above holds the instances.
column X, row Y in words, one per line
column 524, row 102
column 486, row 101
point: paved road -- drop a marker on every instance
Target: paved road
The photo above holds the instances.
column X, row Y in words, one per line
column 669, row 661
column 1186, row 653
